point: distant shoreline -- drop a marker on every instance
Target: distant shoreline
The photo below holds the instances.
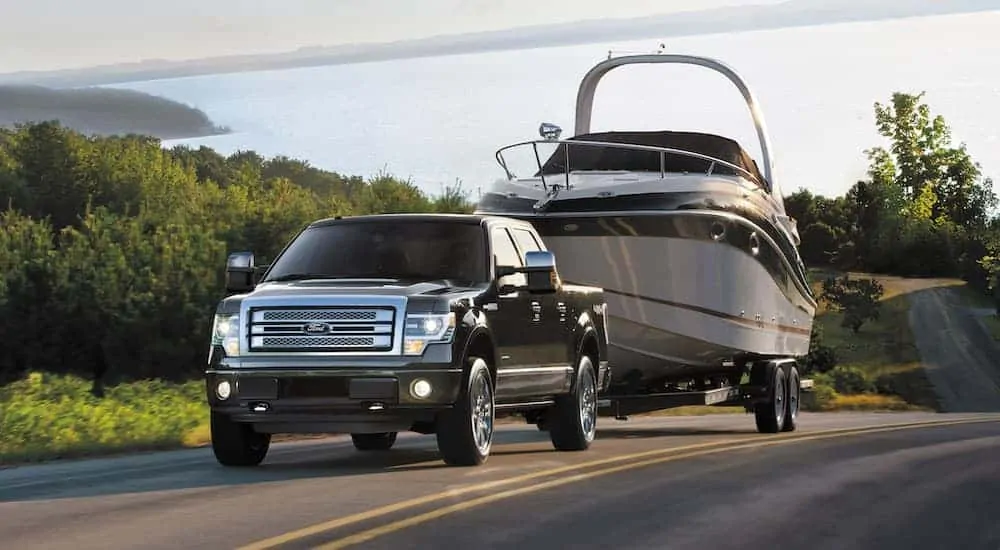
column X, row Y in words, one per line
column 106, row 111
column 791, row 14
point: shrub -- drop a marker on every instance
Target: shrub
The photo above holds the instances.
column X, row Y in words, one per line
column 857, row 299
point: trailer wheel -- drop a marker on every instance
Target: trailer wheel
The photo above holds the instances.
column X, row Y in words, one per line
column 771, row 413
column 573, row 420
column 465, row 431
column 792, row 402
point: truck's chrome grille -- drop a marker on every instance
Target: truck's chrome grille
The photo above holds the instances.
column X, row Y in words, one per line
column 300, row 341
column 320, row 315
column 321, row 329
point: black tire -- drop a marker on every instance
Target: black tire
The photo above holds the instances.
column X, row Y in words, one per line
column 770, row 415
column 462, row 440
column 792, row 400
column 374, row 442
column 236, row 444
column 573, row 418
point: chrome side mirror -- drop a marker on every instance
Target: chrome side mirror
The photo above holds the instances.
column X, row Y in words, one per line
column 540, row 269
column 240, row 272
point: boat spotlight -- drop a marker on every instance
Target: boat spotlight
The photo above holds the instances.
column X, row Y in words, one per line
column 549, row 131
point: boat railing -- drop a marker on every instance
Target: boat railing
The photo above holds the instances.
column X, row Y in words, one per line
column 588, row 86
column 712, row 162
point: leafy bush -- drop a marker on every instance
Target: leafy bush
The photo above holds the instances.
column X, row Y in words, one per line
column 846, row 380
column 858, row 299
column 48, row 416
column 822, row 397
column 821, row 358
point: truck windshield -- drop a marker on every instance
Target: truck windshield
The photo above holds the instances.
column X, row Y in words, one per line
column 414, row 250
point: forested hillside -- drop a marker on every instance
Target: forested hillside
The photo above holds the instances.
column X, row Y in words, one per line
column 112, row 249
column 924, row 211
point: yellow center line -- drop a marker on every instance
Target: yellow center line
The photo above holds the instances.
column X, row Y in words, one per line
column 369, row 534
column 701, row 448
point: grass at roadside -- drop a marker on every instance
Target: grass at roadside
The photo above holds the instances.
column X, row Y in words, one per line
column 883, row 350
column 992, row 323
column 979, row 300
column 46, row 416
column 695, row 410
column 974, row 298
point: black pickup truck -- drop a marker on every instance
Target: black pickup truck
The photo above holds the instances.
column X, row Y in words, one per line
column 433, row 323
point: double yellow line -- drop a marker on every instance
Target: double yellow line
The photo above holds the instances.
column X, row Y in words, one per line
column 622, row 463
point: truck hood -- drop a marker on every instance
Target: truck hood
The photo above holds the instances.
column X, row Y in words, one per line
column 361, row 287
column 427, row 293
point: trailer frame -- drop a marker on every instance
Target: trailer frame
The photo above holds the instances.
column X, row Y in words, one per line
column 765, row 389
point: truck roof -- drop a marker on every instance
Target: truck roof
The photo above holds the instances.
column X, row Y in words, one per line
column 458, row 218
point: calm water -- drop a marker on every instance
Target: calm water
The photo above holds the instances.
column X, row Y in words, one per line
column 438, row 120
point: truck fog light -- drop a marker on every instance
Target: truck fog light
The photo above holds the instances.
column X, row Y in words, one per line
column 223, row 390
column 421, row 389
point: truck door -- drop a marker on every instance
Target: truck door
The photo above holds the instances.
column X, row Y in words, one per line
column 550, row 334
column 512, row 321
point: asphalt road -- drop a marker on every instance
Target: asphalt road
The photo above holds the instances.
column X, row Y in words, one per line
column 957, row 352
column 695, row 482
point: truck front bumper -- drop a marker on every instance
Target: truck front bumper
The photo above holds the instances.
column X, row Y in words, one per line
column 333, row 400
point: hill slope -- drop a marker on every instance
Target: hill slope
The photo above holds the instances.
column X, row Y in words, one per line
column 104, row 111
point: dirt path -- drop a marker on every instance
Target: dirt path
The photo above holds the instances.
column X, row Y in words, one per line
column 960, row 357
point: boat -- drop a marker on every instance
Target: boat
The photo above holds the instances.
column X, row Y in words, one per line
column 686, row 234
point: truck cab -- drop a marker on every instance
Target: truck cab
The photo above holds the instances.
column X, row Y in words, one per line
column 433, row 323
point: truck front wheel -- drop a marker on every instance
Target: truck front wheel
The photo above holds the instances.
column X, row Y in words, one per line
column 236, row 444
column 465, row 432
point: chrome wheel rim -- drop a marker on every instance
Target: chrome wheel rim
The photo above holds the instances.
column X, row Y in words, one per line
column 779, row 397
column 793, row 398
column 482, row 414
column 588, row 402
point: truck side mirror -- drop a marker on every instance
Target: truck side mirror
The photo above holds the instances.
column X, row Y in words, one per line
column 540, row 269
column 241, row 274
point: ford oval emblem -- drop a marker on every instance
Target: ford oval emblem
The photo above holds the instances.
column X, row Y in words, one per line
column 316, row 328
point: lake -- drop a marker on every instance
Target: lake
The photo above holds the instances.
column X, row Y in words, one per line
column 440, row 120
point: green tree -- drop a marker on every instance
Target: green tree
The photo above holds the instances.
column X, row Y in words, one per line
column 28, row 270
column 819, row 244
column 938, row 179
column 857, row 299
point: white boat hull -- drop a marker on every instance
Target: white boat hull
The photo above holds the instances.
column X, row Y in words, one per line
column 680, row 305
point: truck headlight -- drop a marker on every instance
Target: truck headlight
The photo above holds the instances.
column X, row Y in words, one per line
column 426, row 328
column 226, row 333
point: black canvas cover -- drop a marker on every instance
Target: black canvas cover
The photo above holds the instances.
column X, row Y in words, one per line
column 583, row 157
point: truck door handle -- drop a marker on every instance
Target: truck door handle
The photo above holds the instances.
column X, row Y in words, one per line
column 536, row 311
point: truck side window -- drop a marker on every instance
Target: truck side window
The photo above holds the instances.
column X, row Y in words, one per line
column 525, row 241
column 506, row 254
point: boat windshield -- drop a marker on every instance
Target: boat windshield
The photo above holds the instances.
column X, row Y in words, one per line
column 657, row 151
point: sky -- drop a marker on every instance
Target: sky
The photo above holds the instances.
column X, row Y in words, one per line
column 61, row 34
